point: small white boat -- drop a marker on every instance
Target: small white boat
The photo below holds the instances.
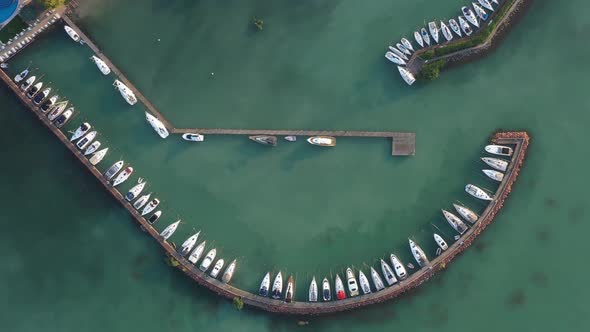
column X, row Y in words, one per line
column 446, row 31
column 97, row 157
column 425, row 36
column 493, row 174
column 470, row 16
column 188, row 244
column 486, row 4
column 499, row 150
column 466, row 213
column 193, row 137
column 277, row 287
column 48, row 103
column 326, row 291
column 84, row 141
column 290, row 290
column 418, row 38
column 394, row 58
column 477, row 192
column 154, row 217
column 291, row 138
column 440, row 242
column 455, row 27
column 92, row 148
column 80, row 131
column 498, row 164
column 433, row 30
column 57, row 110
column 33, row 91
column 353, row 287
column 418, row 253
column 150, row 206
column 481, row 13
column 398, row 267
column 313, row 291
column 377, row 280
column 102, row 66
column 197, row 252
column 465, row 26
column 388, row 273
column 264, row 285
column 40, row 97
column 340, row 293
column 402, row 48
column 365, row 286
column 127, row 94
column 63, row 118
column 455, row 222
column 123, row 176
column 322, row 140
column 398, row 53
column 407, row 44
column 157, row 125
column 229, row 272
column 168, row 231
column 73, row 34
column 206, row 263
column 217, row 268
column 21, row 76
column 134, row 192
column 406, row 75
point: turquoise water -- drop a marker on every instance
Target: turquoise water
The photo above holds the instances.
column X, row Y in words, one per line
column 75, row 259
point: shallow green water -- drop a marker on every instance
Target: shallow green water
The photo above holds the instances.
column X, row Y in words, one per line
column 74, row 260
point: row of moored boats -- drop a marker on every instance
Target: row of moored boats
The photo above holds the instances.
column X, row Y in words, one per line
column 17, row 43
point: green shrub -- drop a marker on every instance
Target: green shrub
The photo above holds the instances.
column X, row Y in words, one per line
column 238, row 303
column 431, row 70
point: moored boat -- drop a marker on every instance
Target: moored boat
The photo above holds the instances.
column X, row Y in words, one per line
column 402, row 48
column 340, row 294
column 365, row 286
column 217, row 268
column 40, row 97
column 28, row 83
column 466, row 213
column 92, row 148
column 313, row 291
column 277, row 287
column 465, row 26
column 98, row 156
column 377, row 280
column 499, row 150
column 188, row 244
column 63, row 118
column 140, row 202
column 433, row 30
column 440, row 242
column 418, row 38
column 477, row 192
column 398, row 53
column 264, row 139
column 493, row 174
column 481, row 13
column 407, row 44
column 193, row 137
column 326, row 291
column 322, row 140
column 168, row 231
column 58, row 109
column 425, row 36
column 498, row 164
column 135, row 191
column 197, row 252
column 73, row 34
column 470, row 16
column 86, row 139
column 353, row 287
column 291, row 138
column 157, row 125
column 418, row 254
column 80, row 131
column 33, row 90
column 264, row 285
column 22, row 75
column 406, row 75
column 289, row 290
column 398, row 267
column 150, row 206
column 455, row 27
column 123, row 176
column 388, row 273
column 126, row 93
column 446, row 31
column 48, row 103
column 154, row 217
column 455, row 222
column 229, row 272
column 394, row 58
column 206, row 263
column 102, row 66
column 486, row 4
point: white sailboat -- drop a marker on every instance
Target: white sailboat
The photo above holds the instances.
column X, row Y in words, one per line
column 206, row 263
column 394, row 58
column 398, row 267
column 365, row 286
column 465, row 26
column 407, row 44
column 150, row 206
column 140, row 202
column 498, row 164
column 58, row 109
column 92, row 148
column 127, row 94
column 466, row 213
column 486, row 4
column 455, row 27
column 418, row 254
column 264, row 285
column 481, row 13
column 102, row 66
column 493, row 174
column 339, row 287
column 470, row 16
column 433, row 30
column 406, row 75
column 313, row 291
column 229, row 272
column 440, row 242
column 377, row 280
column 168, row 231
column 277, row 287
column 157, row 125
column 477, row 192
column 123, row 176
column 134, row 192
column 98, row 156
column 402, row 48
column 73, row 34
column 217, row 268
column 188, row 244
column 446, row 31
column 425, row 36
column 398, row 53
column 418, row 38
column 196, row 254
column 455, row 222
column 388, row 273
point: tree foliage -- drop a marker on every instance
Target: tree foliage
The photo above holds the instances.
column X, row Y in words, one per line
column 53, row 3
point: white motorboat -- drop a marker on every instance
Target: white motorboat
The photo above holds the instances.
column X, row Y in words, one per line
column 481, row 13
column 58, row 109
column 398, row 53
column 406, row 75
column 102, row 66
column 398, row 267
column 92, row 148
column 134, row 192
column 290, row 290
column 127, row 94
column 433, row 30
column 197, row 252
column 477, row 192
column 339, row 286
column 73, row 34
column 495, row 163
column 157, row 125
column 277, row 287
column 63, row 118
column 322, row 140
column 455, row 27
column 408, row 45
column 40, row 97
column 123, row 176
column 465, row 26
column 493, row 174
column 97, row 157
column 353, row 287
column 217, row 268
column 377, row 280
column 446, row 31
column 365, row 286
column 206, row 263
column 418, row 254
column 388, row 273
column 466, row 213
column 154, row 217
column 33, row 91
column 193, row 137
column 114, row 169
column 499, row 150
column 22, row 75
column 402, row 48
column 188, row 244
column 150, row 206
column 486, row 4
column 441, row 242
column 80, row 131
column 291, row 138
column 84, row 141
column 470, row 16
column 394, row 58
column 418, row 38
column 168, row 231
column 326, row 291
column 425, row 36
column 313, row 291
column 48, row 103
column 264, row 285
column 229, row 272
column 455, row 222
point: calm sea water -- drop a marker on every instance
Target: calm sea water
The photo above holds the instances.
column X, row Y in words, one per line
column 72, row 259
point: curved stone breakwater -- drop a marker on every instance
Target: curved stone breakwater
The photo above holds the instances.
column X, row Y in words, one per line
column 519, row 140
